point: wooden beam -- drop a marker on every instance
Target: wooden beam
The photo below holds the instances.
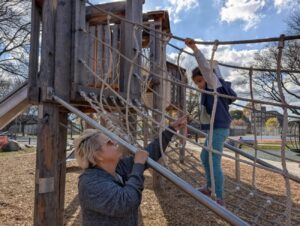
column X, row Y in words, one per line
column 55, row 73
column 33, row 91
column 62, row 88
column 99, row 69
column 131, row 41
column 160, row 16
column 116, row 57
column 107, row 51
column 38, row 3
column 113, row 7
column 133, row 13
column 47, row 193
column 44, row 213
column 79, row 44
column 63, row 49
column 102, row 19
column 156, row 58
column 89, row 79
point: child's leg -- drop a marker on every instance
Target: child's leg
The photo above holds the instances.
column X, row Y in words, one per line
column 205, row 163
column 219, row 136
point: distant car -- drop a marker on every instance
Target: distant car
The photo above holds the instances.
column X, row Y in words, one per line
column 241, row 141
column 12, row 136
column 3, row 140
column 9, row 135
column 245, row 141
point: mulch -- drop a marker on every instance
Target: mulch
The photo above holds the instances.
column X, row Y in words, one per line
column 163, row 206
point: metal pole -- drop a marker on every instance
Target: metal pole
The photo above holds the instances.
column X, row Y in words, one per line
column 216, row 208
column 243, row 153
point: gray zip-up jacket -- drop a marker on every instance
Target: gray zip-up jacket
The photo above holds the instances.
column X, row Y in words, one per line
column 109, row 201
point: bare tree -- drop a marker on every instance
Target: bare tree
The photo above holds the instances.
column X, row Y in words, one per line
column 4, row 87
column 294, row 23
column 266, row 84
column 14, row 39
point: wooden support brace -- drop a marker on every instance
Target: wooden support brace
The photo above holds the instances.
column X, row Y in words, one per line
column 56, row 49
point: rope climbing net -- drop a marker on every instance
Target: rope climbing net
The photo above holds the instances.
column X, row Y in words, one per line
column 138, row 122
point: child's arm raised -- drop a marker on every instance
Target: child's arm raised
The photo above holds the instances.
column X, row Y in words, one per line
column 212, row 81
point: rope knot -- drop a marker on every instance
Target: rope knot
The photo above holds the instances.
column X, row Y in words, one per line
column 281, row 41
column 216, row 44
column 285, row 172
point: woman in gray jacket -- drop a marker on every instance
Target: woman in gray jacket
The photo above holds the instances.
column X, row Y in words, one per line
column 110, row 188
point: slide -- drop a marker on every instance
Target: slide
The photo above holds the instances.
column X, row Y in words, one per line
column 13, row 105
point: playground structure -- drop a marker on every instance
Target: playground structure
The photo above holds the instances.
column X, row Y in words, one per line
column 111, row 59
column 13, row 105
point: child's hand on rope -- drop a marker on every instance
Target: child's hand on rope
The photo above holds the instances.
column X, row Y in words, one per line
column 191, row 43
column 179, row 123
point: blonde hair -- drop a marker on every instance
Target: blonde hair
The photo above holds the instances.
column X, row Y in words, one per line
column 86, row 147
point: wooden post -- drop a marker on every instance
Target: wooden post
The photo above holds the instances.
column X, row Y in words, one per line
column 134, row 13
column 156, row 57
column 145, row 131
column 89, row 79
column 79, row 44
column 106, row 51
column 33, row 94
column 51, row 144
column 99, row 69
column 115, row 45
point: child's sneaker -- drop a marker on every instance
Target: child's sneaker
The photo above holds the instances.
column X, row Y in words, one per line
column 221, row 202
column 204, row 190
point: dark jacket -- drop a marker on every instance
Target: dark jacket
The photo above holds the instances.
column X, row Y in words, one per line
column 222, row 118
column 106, row 200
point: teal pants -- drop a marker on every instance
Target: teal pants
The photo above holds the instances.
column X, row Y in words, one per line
column 219, row 136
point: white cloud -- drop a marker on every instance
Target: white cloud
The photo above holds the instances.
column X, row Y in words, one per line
column 228, row 55
column 280, row 3
column 176, row 7
column 183, row 5
column 244, row 10
column 217, row 3
column 286, row 4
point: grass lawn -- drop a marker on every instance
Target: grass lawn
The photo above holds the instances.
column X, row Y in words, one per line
column 266, row 146
column 269, row 146
column 263, row 147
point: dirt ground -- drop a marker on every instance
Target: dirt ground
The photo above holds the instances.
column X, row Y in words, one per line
column 160, row 207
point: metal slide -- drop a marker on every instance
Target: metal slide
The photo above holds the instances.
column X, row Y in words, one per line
column 12, row 105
